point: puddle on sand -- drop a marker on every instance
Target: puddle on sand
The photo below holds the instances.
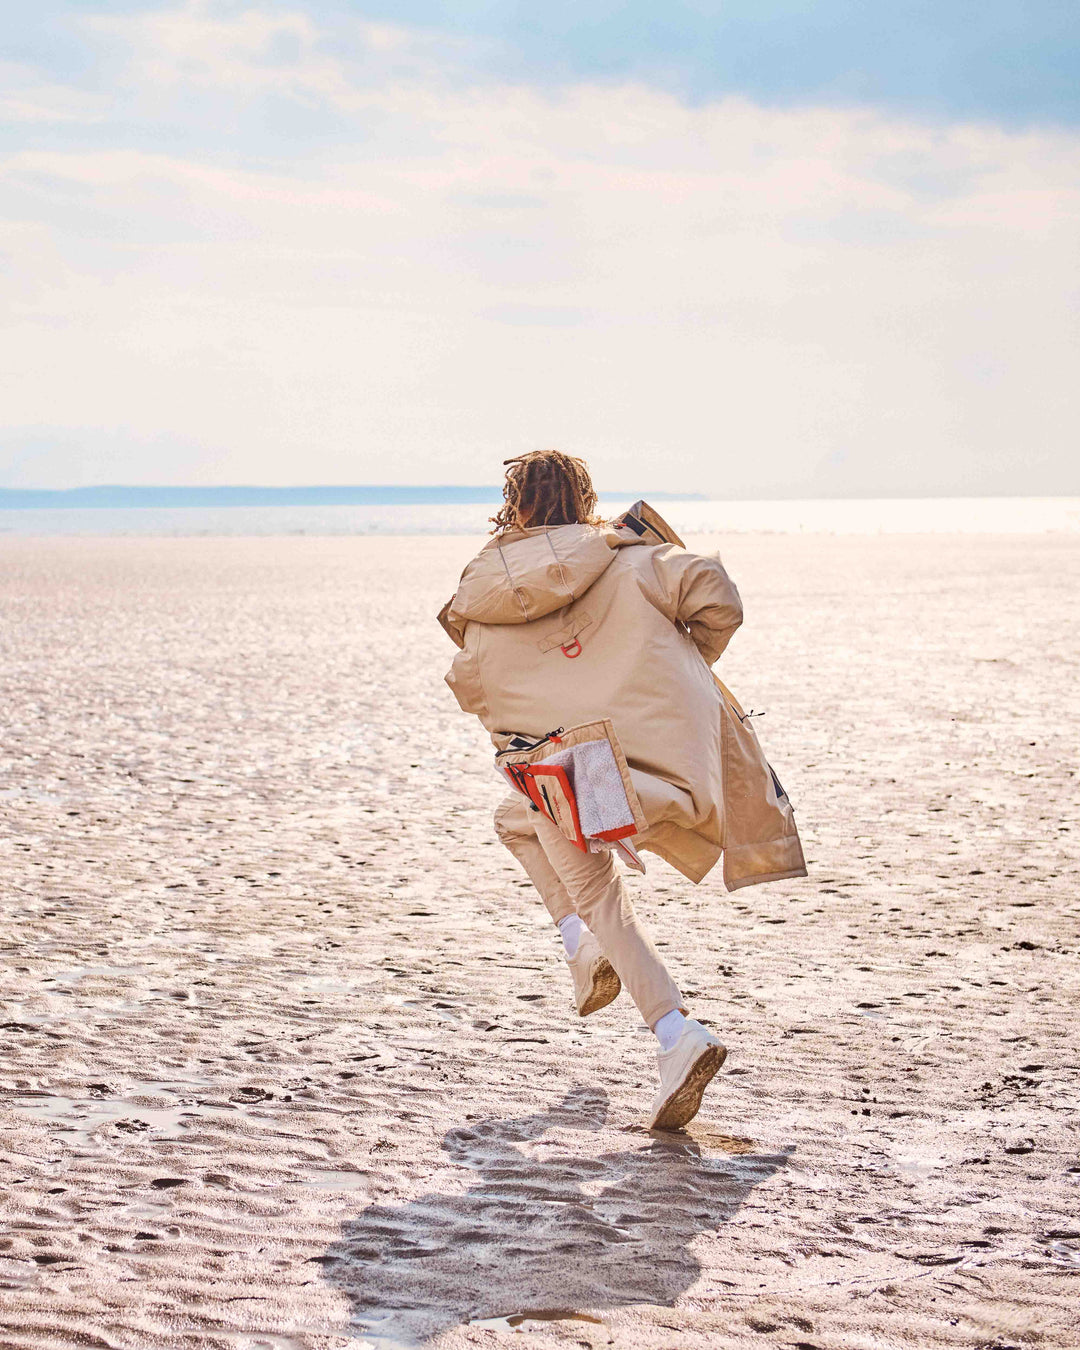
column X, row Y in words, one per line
column 302, row 1337
column 75, row 973
column 384, row 1333
column 321, row 986
column 518, row 1321
column 918, row 1169
column 80, row 1117
column 18, row 1017
column 1062, row 1251
column 26, row 794
column 149, row 1211
column 329, row 1180
column 261, row 1340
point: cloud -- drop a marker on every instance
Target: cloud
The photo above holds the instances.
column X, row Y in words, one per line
column 201, row 46
column 28, row 96
column 727, row 296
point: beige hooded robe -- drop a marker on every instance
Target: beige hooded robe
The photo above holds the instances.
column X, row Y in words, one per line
column 559, row 625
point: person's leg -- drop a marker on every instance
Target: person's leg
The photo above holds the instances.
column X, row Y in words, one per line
column 689, row 1055
column 595, row 980
column 595, row 889
column 514, row 824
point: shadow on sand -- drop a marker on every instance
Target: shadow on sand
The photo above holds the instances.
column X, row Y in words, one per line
column 546, row 1229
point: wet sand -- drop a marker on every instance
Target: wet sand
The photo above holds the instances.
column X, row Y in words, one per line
column 288, row 1058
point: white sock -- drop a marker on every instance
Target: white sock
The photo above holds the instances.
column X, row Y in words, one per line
column 571, row 929
column 668, row 1030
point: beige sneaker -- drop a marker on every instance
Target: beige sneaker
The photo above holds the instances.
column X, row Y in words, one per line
column 685, row 1072
column 595, row 982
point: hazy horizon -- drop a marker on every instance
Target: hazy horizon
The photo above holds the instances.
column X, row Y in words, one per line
column 118, row 496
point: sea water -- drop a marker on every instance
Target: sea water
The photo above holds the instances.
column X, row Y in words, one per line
column 928, row 515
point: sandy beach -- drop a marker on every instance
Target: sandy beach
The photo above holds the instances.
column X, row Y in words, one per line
column 288, row 1053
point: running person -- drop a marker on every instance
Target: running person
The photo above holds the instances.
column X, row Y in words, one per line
column 563, row 618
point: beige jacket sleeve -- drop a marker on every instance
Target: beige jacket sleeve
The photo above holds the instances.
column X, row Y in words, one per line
column 463, row 678
column 697, row 592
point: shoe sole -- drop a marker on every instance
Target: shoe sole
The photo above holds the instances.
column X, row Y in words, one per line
column 685, row 1102
column 605, row 988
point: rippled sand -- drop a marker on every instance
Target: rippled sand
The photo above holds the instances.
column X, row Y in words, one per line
column 288, row 1059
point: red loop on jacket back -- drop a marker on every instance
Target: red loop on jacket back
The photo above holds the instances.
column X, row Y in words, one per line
column 571, row 649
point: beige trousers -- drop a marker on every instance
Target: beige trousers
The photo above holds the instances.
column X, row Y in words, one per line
column 588, row 884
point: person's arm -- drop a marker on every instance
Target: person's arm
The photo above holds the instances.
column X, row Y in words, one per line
column 463, row 677
column 697, row 591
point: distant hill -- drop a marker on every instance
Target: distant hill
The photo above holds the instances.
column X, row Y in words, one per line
column 360, row 495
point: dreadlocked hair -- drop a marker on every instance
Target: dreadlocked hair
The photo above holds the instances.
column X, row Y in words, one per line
column 545, row 487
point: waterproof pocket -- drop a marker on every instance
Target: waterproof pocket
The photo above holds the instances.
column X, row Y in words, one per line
column 579, row 779
column 552, row 792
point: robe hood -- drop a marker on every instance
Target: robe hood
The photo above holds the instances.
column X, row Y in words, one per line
column 516, row 578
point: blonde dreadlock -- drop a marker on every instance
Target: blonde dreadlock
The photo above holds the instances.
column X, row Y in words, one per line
column 545, row 487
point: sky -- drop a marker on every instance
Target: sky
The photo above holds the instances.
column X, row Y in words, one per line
column 755, row 248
